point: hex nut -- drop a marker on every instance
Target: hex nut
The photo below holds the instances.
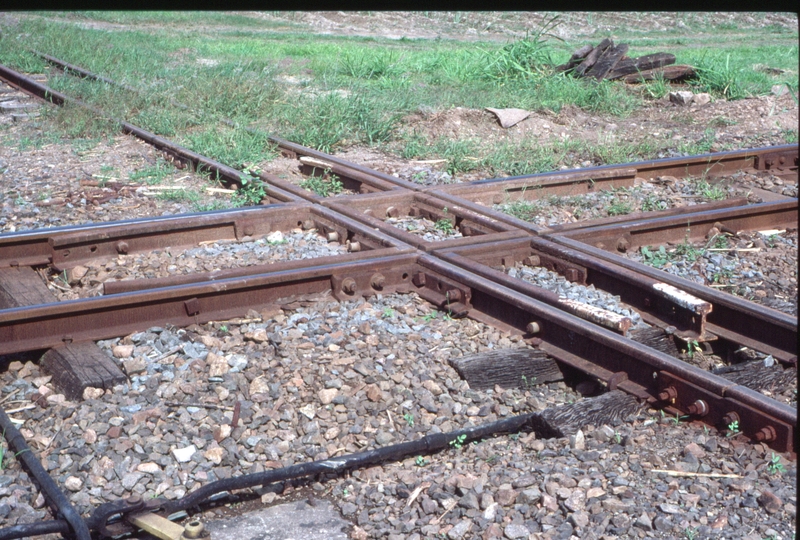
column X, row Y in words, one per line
column 349, row 285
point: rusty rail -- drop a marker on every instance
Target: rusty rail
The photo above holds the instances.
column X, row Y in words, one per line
column 66, row 247
column 183, row 156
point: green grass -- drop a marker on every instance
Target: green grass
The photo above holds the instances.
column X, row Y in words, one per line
column 359, row 90
column 324, row 186
column 153, row 174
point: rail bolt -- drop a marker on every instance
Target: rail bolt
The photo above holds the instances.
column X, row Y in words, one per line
column 668, row 394
column 378, row 281
column 193, row 529
column 623, row 244
column 419, row 279
column 309, row 224
column 133, row 499
column 349, row 286
column 533, row 327
column 333, row 236
column 453, row 295
column 122, row 248
column 572, row 275
column 354, row 246
column 534, row 260
column 698, row 408
column 767, row 433
column 730, row 418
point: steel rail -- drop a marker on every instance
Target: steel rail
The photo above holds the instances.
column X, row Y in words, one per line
column 223, row 172
column 618, row 361
column 58, row 501
column 371, row 209
column 66, row 247
column 97, row 240
column 753, row 325
column 782, row 159
column 131, row 285
column 693, row 227
column 371, row 179
column 90, row 319
column 661, row 306
column 447, row 286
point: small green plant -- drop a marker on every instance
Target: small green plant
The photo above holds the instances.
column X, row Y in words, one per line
column 688, row 251
column 528, row 383
column 444, row 225
column 617, row 437
column 651, row 203
column 721, row 242
column 657, row 258
column 733, row 429
column 724, row 274
column 421, row 461
column 388, row 313
column 223, row 329
column 458, row 442
column 250, row 194
column 715, row 193
column 619, row 208
column 325, row 185
column 409, row 418
column 677, row 419
column 692, row 347
column 772, row 240
column 345, row 492
column 429, row 317
column 775, row 466
column 689, row 533
column 4, row 452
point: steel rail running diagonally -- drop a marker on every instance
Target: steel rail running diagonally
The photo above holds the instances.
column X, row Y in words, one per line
column 615, row 360
column 389, row 264
column 779, row 160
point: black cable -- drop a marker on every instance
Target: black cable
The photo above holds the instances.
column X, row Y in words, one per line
column 47, row 485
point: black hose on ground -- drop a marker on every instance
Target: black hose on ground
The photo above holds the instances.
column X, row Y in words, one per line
column 27, row 530
column 425, row 445
column 48, row 486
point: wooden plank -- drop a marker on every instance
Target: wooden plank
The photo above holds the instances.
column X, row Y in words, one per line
column 670, row 73
column 610, row 409
column 757, row 376
column 592, row 57
column 607, row 61
column 627, row 66
column 655, row 338
column 77, row 366
column 509, row 368
column 576, row 58
column 23, row 286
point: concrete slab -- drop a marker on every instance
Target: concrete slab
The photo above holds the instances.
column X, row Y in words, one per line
column 291, row 521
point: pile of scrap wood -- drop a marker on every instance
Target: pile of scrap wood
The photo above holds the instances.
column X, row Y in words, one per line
column 608, row 61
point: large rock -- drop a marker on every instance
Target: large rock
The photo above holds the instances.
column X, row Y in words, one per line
column 681, row 97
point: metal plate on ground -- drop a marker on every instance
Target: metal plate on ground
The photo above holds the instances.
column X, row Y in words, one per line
column 292, row 521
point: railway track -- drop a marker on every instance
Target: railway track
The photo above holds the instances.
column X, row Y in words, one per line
column 464, row 276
